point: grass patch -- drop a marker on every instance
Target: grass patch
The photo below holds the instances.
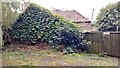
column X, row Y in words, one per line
column 48, row 57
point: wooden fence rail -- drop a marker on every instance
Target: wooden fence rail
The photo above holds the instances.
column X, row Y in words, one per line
column 102, row 42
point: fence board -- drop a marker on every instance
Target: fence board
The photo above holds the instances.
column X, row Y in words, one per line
column 95, row 39
column 108, row 43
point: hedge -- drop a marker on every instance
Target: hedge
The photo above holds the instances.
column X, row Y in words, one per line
column 38, row 23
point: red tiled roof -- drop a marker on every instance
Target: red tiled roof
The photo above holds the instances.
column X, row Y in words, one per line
column 72, row 15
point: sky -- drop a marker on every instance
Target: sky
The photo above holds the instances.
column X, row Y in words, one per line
column 84, row 7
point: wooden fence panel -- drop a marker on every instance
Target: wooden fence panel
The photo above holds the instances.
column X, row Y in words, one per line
column 96, row 43
column 118, row 51
column 112, row 47
column 108, row 43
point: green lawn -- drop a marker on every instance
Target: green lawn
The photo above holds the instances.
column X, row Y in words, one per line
column 36, row 57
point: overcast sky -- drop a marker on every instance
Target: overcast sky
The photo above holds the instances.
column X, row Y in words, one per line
column 84, row 7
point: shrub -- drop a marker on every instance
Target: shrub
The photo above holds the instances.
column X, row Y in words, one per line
column 38, row 23
column 6, row 37
column 108, row 18
column 1, row 38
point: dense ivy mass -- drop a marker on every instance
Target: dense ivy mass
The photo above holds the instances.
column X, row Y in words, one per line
column 108, row 18
column 38, row 23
